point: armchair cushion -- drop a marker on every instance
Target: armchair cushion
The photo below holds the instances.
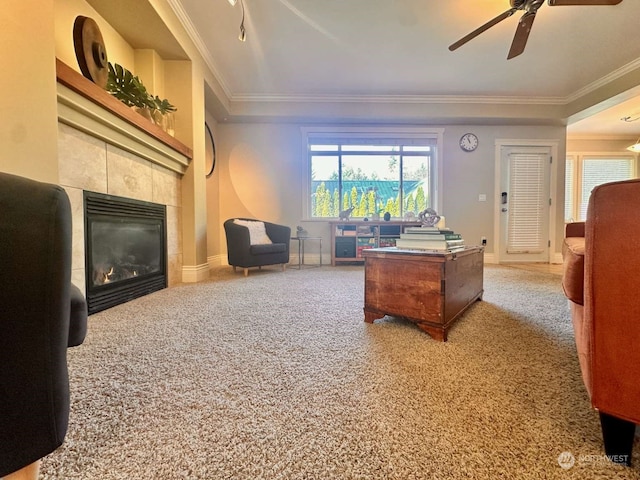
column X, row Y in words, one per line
column 257, row 232
column 270, row 248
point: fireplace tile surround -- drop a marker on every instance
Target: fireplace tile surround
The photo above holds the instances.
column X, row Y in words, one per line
column 88, row 163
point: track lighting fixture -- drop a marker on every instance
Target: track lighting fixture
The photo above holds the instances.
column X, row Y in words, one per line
column 243, row 34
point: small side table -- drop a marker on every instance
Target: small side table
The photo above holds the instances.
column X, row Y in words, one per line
column 301, row 241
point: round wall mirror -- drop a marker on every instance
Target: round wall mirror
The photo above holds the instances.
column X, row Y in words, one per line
column 209, row 151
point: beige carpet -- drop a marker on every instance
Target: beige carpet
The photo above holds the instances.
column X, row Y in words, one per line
column 276, row 376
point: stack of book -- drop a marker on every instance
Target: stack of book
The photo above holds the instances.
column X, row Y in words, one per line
column 430, row 238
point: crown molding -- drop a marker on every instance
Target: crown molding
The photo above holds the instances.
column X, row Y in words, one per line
column 602, row 82
column 395, row 99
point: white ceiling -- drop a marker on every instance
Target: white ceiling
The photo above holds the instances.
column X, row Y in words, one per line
column 352, row 58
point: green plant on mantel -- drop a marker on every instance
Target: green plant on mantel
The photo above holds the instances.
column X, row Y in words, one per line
column 128, row 88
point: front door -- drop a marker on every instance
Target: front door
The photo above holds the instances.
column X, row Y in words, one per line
column 524, row 204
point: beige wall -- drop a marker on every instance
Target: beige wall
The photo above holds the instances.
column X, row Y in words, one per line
column 605, row 144
column 215, row 244
column 261, row 170
column 28, row 109
column 65, row 13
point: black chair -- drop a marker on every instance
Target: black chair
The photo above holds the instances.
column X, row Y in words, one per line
column 241, row 252
column 42, row 315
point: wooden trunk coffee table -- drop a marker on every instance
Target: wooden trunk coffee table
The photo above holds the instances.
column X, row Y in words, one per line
column 432, row 289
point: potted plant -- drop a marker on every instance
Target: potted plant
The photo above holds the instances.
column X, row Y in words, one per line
column 130, row 90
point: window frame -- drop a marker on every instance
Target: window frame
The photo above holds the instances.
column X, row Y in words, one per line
column 368, row 134
column 577, row 159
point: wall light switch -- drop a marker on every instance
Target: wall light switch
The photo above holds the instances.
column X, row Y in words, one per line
column 482, row 197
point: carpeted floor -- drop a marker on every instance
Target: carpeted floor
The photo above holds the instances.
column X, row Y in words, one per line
column 276, row 376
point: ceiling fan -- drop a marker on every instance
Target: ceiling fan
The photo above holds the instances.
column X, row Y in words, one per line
column 530, row 8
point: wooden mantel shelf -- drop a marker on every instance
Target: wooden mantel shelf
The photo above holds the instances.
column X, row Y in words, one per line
column 73, row 80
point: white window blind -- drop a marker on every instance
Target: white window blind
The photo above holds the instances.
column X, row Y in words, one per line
column 526, row 189
column 599, row 170
column 569, row 190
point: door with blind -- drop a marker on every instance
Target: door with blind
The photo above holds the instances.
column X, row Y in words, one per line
column 524, row 205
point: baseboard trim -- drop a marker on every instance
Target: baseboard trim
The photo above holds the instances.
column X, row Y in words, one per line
column 556, row 258
column 195, row 273
column 309, row 259
column 217, row 260
column 489, row 258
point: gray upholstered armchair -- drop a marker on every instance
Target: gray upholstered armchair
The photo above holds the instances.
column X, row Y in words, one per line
column 254, row 243
column 42, row 314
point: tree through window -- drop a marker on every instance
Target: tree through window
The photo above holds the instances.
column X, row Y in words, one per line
column 371, row 174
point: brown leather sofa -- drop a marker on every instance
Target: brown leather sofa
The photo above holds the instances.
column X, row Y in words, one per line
column 601, row 279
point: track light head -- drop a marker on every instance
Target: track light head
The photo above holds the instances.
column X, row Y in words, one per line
column 243, row 34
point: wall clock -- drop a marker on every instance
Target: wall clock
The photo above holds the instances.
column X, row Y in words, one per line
column 209, row 151
column 469, row 142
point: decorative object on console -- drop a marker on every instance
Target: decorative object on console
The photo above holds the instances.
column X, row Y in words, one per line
column 90, row 50
column 430, row 238
column 387, row 216
column 429, row 217
column 345, row 214
column 301, row 232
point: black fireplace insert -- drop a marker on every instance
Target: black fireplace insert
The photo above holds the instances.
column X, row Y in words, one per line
column 125, row 249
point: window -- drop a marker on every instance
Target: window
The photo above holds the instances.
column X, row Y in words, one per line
column 373, row 173
column 584, row 173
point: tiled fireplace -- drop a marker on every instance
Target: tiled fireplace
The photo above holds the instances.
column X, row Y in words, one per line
column 87, row 163
column 106, row 148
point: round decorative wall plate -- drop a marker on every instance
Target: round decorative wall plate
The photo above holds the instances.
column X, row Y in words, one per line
column 209, row 151
column 90, row 50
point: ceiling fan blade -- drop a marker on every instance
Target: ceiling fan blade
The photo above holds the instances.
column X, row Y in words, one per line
column 481, row 29
column 555, row 3
column 522, row 35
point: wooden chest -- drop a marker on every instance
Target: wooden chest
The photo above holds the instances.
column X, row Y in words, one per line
column 430, row 289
